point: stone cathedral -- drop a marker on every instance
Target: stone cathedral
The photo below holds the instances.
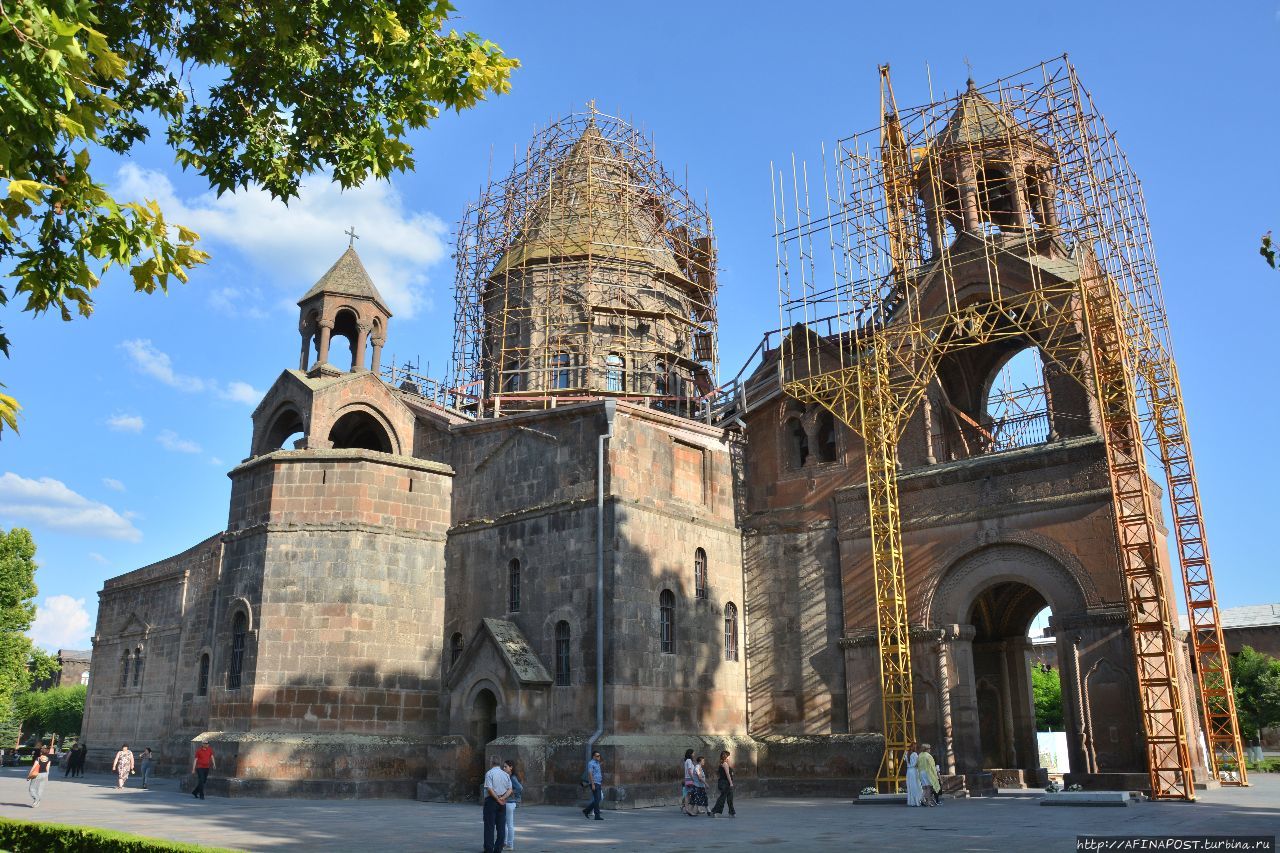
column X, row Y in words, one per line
column 572, row 551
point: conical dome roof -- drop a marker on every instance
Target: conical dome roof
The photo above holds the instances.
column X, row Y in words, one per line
column 594, row 204
column 347, row 277
column 977, row 122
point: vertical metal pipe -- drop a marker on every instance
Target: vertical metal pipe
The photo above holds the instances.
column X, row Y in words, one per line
column 610, row 407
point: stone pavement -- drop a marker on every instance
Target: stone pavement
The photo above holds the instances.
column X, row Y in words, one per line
column 996, row 824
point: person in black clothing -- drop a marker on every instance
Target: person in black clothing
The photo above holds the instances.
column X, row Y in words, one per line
column 724, row 782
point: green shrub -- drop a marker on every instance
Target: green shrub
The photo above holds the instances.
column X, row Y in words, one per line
column 21, row 836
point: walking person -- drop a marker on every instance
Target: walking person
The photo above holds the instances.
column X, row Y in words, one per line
column 39, row 776
column 201, row 765
column 929, row 781
column 517, row 793
column 80, row 754
column 68, row 761
column 145, row 761
column 497, row 787
column 686, row 793
column 595, row 776
column 914, row 791
column 123, row 765
column 698, row 797
column 724, row 783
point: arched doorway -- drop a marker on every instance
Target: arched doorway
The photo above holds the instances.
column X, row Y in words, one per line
column 484, row 718
column 991, row 597
column 1002, row 659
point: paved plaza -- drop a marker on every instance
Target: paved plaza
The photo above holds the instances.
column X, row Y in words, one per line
column 997, row 824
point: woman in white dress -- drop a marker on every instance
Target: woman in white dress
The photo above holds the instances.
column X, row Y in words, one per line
column 915, row 793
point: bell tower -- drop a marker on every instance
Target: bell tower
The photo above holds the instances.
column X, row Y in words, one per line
column 343, row 303
column 986, row 175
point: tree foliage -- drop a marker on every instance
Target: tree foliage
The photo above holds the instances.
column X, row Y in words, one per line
column 1256, row 679
column 1046, row 687
column 58, row 711
column 17, row 609
column 258, row 92
column 1268, row 250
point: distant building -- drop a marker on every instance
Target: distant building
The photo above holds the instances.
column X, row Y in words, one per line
column 73, row 668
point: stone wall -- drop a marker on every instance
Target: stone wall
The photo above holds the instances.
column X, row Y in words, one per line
column 162, row 610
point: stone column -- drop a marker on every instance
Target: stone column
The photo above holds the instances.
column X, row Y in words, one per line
column 1022, row 697
column 326, row 329
column 969, row 195
column 1021, row 203
column 966, row 737
column 306, row 350
column 377, row 353
column 944, row 699
column 1006, row 708
column 362, row 341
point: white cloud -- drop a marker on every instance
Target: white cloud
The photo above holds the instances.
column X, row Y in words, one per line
column 239, row 302
column 61, row 622
column 98, row 558
column 113, row 484
column 241, row 392
column 293, row 245
column 49, row 502
column 214, row 460
column 126, row 423
column 156, row 364
column 170, row 440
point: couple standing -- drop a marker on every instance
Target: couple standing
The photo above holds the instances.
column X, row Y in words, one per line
column 695, row 785
column 923, row 786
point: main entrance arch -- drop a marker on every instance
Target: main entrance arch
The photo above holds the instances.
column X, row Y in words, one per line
column 989, row 598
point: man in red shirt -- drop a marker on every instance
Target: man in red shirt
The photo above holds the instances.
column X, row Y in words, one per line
column 201, row 766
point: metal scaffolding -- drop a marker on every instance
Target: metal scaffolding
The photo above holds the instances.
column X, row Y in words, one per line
column 586, row 272
column 905, row 255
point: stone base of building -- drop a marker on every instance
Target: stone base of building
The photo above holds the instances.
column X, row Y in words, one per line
column 1109, row 781
column 1019, row 778
column 646, row 770
column 327, row 766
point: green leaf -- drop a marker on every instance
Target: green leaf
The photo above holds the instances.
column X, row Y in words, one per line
column 29, row 190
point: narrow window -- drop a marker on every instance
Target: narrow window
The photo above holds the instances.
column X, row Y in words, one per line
column 798, row 441
column 137, row 667
column 202, row 684
column 562, row 654
column 615, row 372
column 511, row 379
column 455, row 648
column 513, row 586
column 561, row 374
column 660, row 378
column 238, row 630
column 700, row 573
column 124, row 672
column 730, row 632
column 667, row 615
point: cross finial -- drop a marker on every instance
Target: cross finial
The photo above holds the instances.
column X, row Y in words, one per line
column 591, row 106
column 351, row 232
column 969, row 65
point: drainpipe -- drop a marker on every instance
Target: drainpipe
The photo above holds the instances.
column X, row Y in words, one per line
column 610, row 407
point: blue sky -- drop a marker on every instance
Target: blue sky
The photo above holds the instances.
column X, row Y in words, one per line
column 133, row 417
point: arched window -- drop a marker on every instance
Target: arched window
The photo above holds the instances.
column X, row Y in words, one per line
column 561, row 371
column 455, row 648
column 730, row 631
column 700, row 573
column 562, row 654
column 615, row 376
column 513, row 586
column 137, row 667
column 359, row 431
column 84, row 677
column 239, row 630
column 511, row 376
column 796, row 440
column 660, row 378
column 1017, row 412
column 124, row 671
column 202, row 683
column 826, row 448
column 667, row 620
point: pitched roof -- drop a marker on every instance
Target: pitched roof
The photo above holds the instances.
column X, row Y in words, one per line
column 1249, row 616
column 978, row 122
column 347, row 277
column 591, row 208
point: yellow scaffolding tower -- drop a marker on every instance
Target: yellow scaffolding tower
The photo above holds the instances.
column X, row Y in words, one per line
column 925, row 217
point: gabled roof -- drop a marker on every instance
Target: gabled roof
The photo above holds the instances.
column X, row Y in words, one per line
column 512, row 646
column 347, row 277
column 591, row 208
column 1249, row 616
